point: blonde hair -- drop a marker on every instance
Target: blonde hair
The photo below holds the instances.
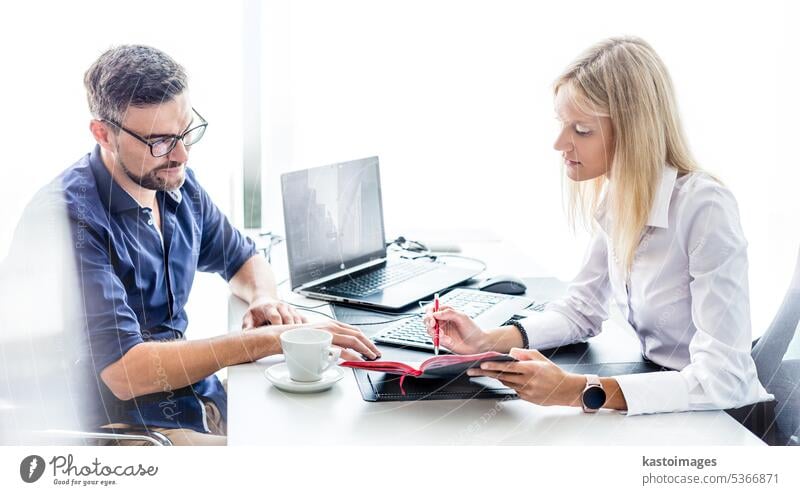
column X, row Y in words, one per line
column 624, row 79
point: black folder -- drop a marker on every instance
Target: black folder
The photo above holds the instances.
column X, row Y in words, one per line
column 382, row 387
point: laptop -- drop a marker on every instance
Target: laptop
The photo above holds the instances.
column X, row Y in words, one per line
column 336, row 243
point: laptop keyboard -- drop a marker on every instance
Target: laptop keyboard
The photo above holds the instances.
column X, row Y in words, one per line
column 412, row 333
column 369, row 283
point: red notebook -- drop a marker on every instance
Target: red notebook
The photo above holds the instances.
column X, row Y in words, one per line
column 435, row 367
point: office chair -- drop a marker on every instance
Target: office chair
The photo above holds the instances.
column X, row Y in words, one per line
column 41, row 398
column 109, row 434
column 778, row 422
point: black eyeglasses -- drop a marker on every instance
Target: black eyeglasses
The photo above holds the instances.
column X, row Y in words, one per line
column 163, row 146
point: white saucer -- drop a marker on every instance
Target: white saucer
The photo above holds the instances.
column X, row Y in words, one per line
column 279, row 376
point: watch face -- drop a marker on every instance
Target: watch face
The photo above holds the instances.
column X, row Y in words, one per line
column 594, row 397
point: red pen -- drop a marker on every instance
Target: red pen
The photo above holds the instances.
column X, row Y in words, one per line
column 436, row 325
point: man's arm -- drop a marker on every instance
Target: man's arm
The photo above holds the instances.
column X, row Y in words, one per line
column 151, row 367
column 254, row 280
column 228, row 252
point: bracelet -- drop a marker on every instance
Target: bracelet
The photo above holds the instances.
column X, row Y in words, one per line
column 514, row 321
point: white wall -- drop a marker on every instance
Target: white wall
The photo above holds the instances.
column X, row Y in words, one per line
column 455, row 97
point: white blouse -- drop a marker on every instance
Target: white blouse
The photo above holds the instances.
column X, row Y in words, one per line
column 686, row 296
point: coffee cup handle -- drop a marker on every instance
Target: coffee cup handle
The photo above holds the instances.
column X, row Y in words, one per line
column 333, row 355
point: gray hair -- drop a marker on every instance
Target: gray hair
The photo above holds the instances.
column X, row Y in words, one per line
column 131, row 75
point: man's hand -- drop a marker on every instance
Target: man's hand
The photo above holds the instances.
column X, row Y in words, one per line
column 354, row 344
column 268, row 311
column 351, row 340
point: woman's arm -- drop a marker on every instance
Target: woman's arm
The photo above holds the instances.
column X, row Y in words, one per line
column 537, row 379
column 575, row 318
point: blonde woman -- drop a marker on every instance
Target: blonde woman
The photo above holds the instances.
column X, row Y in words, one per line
column 667, row 249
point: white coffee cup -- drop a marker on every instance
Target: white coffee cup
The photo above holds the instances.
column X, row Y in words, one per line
column 308, row 353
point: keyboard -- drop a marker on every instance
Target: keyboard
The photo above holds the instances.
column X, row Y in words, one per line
column 486, row 308
column 366, row 284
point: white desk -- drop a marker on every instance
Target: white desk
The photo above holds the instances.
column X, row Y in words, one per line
column 259, row 414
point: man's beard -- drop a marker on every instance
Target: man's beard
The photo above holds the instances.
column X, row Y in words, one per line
column 152, row 180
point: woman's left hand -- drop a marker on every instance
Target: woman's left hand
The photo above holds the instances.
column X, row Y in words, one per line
column 535, row 379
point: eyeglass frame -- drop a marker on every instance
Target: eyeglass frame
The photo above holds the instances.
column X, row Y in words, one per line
column 174, row 138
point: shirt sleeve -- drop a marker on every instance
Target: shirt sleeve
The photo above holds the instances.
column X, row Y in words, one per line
column 223, row 249
column 721, row 373
column 112, row 328
column 581, row 313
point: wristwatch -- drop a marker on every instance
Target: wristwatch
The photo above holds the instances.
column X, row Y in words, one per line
column 594, row 395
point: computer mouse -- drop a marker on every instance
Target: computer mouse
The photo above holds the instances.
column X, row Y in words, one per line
column 503, row 284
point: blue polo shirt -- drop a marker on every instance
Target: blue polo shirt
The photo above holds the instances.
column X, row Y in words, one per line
column 136, row 284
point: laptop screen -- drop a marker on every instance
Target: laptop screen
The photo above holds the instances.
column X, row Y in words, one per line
column 333, row 217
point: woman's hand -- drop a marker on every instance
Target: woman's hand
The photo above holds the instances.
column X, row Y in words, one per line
column 535, row 379
column 457, row 332
column 461, row 335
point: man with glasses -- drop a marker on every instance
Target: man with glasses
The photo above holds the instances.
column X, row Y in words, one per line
column 142, row 226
